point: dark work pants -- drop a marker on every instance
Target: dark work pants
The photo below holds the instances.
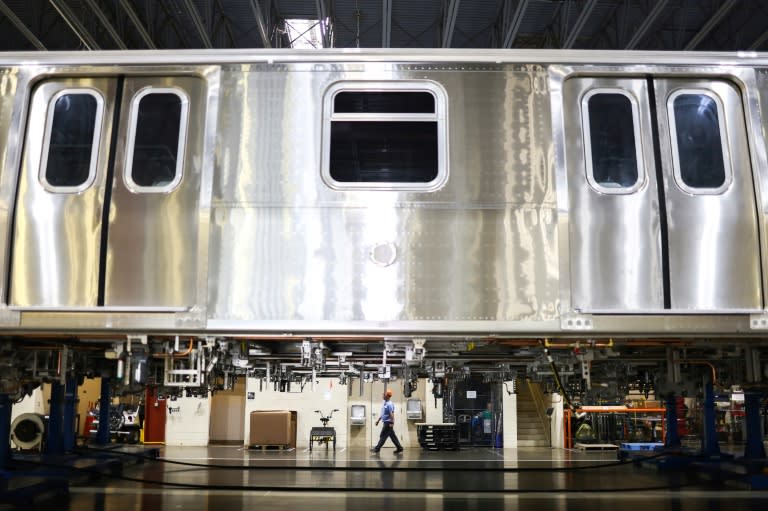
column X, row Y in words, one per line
column 388, row 432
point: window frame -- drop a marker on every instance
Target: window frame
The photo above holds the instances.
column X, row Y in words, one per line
column 439, row 117
column 727, row 168
column 587, row 140
column 95, row 143
column 130, row 184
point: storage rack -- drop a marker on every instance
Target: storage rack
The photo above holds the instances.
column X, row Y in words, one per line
column 438, row 436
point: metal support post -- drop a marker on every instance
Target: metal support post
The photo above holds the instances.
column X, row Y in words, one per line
column 709, row 445
column 5, row 431
column 55, row 441
column 672, row 440
column 754, row 449
column 70, row 405
column 102, row 435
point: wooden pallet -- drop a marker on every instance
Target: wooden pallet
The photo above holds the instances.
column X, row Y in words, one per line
column 596, row 447
column 270, row 447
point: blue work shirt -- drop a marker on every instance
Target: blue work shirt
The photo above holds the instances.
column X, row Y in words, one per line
column 387, row 409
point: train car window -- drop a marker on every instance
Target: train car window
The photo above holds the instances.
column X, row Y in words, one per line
column 383, row 152
column 698, row 144
column 155, row 148
column 611, row 134
column 71, row 141
column 384, row 102
column 385, row 135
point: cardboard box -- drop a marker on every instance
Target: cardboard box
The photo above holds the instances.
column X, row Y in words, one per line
column 273, row 427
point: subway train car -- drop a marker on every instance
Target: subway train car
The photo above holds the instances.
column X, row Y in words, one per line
column 383, row 194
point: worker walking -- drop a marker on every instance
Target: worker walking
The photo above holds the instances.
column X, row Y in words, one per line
column 388, row 417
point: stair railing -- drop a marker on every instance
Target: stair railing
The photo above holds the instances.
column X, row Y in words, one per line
column 541, row 408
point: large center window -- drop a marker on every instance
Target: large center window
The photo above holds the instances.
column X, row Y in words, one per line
column 384, row 135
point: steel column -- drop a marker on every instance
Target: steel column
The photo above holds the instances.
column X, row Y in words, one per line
column 21, row 27
column 102, row 434
column 5, row 431
column 754, row 448
column 754, row 368
column 709, row 445
column 322, row 15
column 386, row 23
column 673, row 366
column 70, row 413
column 75, row 24
column 450, row 22
column 55, row 439
column 672, row 440
column 260, row 24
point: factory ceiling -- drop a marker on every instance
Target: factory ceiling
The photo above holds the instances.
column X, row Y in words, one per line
column 700, row 25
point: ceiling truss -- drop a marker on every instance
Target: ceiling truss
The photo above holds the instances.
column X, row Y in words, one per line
column 727, row 25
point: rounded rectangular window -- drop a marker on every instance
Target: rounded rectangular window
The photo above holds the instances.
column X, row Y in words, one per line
column 155, row 149
column 71, row 142
column 385, row 135
column 611, row 135
column 384, row 102
column 697, row 133
column 376, row 152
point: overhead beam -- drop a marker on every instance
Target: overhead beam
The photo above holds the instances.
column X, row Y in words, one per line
column 169, row 19
column 514, row 25
column 322, row 16
column 75, row 24
column 260, row 24
column 21, row 27
column 646, row 24
column 586, row 12
column 449, row 22
column 711, row 24
column 198, row 23
column 106, row 24
column 386, row 23
column 137, row 24
column 759, row 42
column 224, row 20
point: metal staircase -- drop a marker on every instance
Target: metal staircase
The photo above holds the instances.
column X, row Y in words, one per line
column 532, row 421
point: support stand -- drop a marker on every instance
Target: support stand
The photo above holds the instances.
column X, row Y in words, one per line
column 709, row 446
column 16, row 487
column 754, row 450
column 54, row 444
column 70, row 404
column 5, row 431
column 102, row 434
column 672, row 440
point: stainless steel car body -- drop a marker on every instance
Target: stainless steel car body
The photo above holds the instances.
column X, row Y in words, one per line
column 507, row 245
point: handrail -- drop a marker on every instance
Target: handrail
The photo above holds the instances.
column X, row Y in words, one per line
column 541, row 408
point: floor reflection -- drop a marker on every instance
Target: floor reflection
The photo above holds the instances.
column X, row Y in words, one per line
column 354, row 479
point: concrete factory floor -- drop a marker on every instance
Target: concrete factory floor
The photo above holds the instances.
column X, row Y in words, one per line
column 472, row 478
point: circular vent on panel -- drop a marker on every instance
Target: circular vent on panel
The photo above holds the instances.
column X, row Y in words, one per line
column 384, row 254
column 27, row 431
